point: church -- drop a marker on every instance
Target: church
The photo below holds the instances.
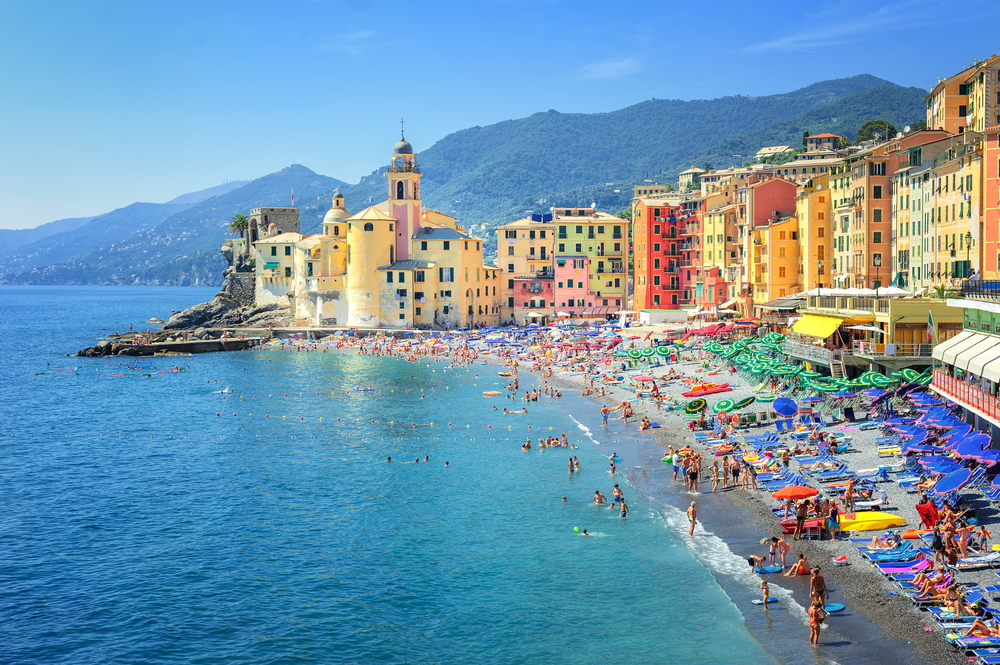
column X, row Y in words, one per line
column 392, row 265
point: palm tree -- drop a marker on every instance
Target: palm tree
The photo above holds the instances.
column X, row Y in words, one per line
column 239, row 224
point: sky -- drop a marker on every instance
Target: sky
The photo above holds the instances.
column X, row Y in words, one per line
column 106, row 102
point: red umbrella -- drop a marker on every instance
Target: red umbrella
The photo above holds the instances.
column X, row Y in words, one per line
column 642, row 377
column 795, row 492
column 634, row 337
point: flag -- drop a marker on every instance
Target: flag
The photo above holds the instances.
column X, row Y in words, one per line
column 930, row 327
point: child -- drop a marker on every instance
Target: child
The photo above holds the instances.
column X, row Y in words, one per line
column 765, row 591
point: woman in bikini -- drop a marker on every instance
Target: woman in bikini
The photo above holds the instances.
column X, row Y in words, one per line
column 816, row 616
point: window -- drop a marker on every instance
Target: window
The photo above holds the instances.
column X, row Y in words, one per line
column 781, row 271
column 656, row 264
column 510, row 302
column 600, row 230
column 369, row 226
column 541, row 234
column 579, row 230
column 288, row 250
column 579, row 248
column 656, row 298
column 562, row 247
column 562, row 232
column 423, row 245
column 877, row 192
column 656, row 246
column 782, row 235
column 569, row 284
column 876, row 237
column 309, row 269
column 447, row 245
column 510, row 284
column 445, row 309
column 876, row 168
column 399, row 189
column 401, row 293
column 821, row 252
column 274, row 250
column 656, row 280
column 418, row 276
column 446, row 275
column 509, row 234
column 531, row 234
column 418, row 295
column 510, row 267
column 578, row 264
column 288, row 271
column 618, row 245
column 781, row 252
column 656, row 229
column 466, row 244
column 877, row 216
column 446, row 294
column 388, row 278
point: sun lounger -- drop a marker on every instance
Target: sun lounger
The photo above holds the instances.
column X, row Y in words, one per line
column 990, row 560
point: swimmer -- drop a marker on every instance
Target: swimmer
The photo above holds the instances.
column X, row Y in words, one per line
column 427, row 458
column 565, row 500
column 446, row 463
column 598, row 497
column 390, row 458
column 584, row 533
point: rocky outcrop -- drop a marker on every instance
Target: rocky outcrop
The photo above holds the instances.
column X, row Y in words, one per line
column 202, row 314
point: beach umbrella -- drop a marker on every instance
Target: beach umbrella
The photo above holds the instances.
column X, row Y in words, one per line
column 694, row 406
column 766, row 398
column 955, row 480
column 842, row 393
column 745, row 402
column 814, row 399
column 724, row 405
column 989, row 457
column 643, row 377
column 970, row 447
column 794, row 492
column 785, row 406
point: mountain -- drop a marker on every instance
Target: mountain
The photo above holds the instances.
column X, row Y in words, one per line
column 14, row 238
column 491, row 175
column 183, row 249
column 201, row 195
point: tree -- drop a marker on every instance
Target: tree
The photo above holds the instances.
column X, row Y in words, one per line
column 805, row 135
column 918, row 126
column 239, row 223
column 879, row 130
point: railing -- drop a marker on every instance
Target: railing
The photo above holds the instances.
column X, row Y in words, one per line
column 980, row 289
column 807, row 351
column 873, row 349
column 537, row 275
column 966, row 394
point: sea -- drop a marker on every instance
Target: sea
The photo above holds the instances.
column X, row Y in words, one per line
column 146, row 516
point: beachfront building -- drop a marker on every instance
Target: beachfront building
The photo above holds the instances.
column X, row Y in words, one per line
column 656, row 250
column 967, row 100
column 815, row 227
column 591, row 263
column 525, row 252
column 393, row 264
column 969, row 371
column 770, row 240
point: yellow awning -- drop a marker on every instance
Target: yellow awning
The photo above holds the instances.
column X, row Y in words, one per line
column 816, row 326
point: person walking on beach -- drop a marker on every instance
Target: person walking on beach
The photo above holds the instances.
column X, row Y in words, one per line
column 801, row 511
column 692, row 475
column 692, row 514
column 779, row 549
column 816, row 616
column 715, row 476
column 817, row 586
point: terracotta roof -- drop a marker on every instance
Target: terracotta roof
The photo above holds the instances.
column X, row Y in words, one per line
column 823, row 136
column 371, row 213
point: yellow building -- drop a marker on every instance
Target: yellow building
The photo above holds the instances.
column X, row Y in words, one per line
column 524, row 251
column 813, row 212
column 775, row 259
column 393, row 264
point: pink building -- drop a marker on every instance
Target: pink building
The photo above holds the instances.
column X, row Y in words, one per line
column 571, row 293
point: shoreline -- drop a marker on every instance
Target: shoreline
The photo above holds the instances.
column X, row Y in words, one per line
column 874, row 623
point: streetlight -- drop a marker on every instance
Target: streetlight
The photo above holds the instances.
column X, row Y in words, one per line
column 968, row 249
column 877, row 262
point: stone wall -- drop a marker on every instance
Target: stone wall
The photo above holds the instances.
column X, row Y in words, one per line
column 240, row 285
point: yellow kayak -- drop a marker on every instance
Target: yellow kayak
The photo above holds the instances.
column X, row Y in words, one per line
column 870, row 521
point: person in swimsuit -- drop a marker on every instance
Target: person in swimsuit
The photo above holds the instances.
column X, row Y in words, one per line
column 599, row 498
column 735, row 471
column 624, row 509
column 572, row 468
column 692, row 514
column 693, row 477
column 765, row 591
column 617, row 492
column 816, row 616
column 756, row 563
column 779, row 548
column 800, row 567
column 817, row 586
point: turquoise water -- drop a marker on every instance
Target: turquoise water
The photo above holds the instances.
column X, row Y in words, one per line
column 138, row 526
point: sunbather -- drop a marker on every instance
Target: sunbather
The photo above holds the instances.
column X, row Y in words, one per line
column 800, row 567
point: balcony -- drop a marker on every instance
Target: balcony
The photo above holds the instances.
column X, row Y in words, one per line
column 980, row 290
column 966, row 395
column 542, row 274
column 892, row 350
column 807, row 351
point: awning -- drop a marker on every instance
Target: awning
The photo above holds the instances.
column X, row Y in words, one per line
column 948, row 344
column 783, row 303
column 841, row 278
column 729, row 302
column 868, row 328
column 992, row 371
column 272, row 265
column 948, row 355
column 978, row 364
column 816, row 326
column 983, row 343
column 535, row 315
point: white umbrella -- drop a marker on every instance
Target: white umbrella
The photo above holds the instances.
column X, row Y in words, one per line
column 893, row 292
column 869, row 328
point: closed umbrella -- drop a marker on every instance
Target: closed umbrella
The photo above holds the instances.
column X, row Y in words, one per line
column 766, row 398
column 745, row 402
column 785, row 406
column 813, row 399
column 794, row 492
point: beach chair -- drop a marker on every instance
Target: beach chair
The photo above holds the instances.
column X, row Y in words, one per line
column 780, row 425
column 990, row 560
column 849, row 414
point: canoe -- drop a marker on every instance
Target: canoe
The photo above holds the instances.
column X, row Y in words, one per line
column 724, row 388
column 869, row 521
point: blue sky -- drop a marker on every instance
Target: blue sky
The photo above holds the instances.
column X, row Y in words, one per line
column 103, row 103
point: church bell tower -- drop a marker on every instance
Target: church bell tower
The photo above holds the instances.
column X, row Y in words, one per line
column 404, row 195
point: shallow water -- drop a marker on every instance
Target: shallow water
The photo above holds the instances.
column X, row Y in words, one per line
column 138, row 526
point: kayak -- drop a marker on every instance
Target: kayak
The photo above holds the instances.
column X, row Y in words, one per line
column 724, row 388
column 869, row 521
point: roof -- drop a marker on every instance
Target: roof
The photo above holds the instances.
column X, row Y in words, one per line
column 371, row 213
column 693, row 169
column 774, row 150
column 281, row 238
column 823, row 136
column 438, row 233
column 409, row 264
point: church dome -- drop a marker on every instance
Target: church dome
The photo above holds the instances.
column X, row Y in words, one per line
column 403, row 148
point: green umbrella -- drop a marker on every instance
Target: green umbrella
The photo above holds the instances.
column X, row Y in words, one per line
column 694, row 406
column 634, row 353
column 810, row 373
column 724, row 405
column 745, row 402
column 766, row 398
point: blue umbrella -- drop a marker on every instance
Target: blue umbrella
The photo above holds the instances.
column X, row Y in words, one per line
column 785, row 406
column 955, row 480
column 813, row 400
column 842, row 394
column 943, row 469
column 899, row 421
column 917, row 448
column 969, row 448
column 989, row 457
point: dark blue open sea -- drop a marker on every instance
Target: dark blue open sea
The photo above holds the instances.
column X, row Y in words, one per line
column 138, row 526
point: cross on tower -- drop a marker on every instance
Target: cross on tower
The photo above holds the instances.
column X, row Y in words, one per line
column 401, row 135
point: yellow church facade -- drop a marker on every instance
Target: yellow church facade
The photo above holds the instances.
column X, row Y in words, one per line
column 392, row 265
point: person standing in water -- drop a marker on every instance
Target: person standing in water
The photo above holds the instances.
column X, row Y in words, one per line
column 692, row 514
column 572, row 467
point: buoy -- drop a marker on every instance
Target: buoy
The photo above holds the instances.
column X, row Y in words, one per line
column 576, row 529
